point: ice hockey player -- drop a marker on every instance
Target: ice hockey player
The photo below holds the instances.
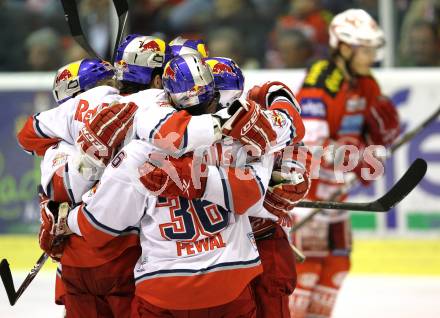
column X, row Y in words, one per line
column 189, row 246
column 342, row 104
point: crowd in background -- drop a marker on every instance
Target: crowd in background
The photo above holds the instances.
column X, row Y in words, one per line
column 255, row 33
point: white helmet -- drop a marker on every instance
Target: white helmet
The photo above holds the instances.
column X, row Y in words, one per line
column 355, row 27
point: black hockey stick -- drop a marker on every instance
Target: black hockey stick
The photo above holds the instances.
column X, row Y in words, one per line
column 8, row 282
column 6, row 274
column 404, row 139
column 72, row 19
column 121, row 7
column 397, row 193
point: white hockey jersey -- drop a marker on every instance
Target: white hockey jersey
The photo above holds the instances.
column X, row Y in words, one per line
column 195, row 253
column 65, row 121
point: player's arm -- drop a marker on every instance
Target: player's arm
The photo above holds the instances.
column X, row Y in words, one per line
column 60, row 181
column 45, row 129
column 283, row 111
column 117, row 204
column 175, row 132
column 236, row 189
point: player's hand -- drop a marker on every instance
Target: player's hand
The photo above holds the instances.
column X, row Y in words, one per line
column 266, row 94
column 382, row 122
column 53, row 229
column 169, row 177
column 289, row 182
column 102, row 135
column 249, row 124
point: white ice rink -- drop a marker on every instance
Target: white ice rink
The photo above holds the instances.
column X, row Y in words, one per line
column 361, row 297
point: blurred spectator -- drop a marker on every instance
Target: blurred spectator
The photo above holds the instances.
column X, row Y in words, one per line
column 43, row 50
column 421, row 46
column 226, row 42
column 292, row 50
column 310, row 17
column 97, row 25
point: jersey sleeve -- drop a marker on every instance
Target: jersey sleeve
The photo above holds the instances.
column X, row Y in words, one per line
column 239, row 189
column 60, row 181
column 117, row 204
column 175, row 132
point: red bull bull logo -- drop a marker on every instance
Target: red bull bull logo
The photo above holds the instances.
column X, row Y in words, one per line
column 220, row 67
column 151, row 46
column 63, row 76
column 169, row 73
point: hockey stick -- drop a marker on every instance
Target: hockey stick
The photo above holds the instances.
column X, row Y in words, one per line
column 72, row 19
column 6, row 274
column 404, row 139
column 8, row 282
column 121, row 7
column 397, row 193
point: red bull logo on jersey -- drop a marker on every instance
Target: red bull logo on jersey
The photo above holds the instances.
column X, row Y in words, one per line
column 151, row 46
column 63, row 76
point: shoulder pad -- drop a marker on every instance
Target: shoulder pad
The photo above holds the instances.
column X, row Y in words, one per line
column 325, row 75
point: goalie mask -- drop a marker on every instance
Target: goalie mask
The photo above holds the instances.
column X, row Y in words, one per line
column 80, row 76
column 181, row 46
column 228, row 79
column 138, row 56
column 188, row 81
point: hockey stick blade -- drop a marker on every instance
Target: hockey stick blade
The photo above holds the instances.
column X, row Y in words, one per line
column 72, row 19
column 8, row 282
column 397, row 193
column 121, row 7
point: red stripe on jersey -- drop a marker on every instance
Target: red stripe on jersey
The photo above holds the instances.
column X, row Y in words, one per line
column 297, row 121
column 245, row 189
column 171, row 134
column 194, row 292
column 58, row 187
column 30, row 141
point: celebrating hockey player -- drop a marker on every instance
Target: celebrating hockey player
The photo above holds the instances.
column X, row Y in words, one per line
column 342, row 104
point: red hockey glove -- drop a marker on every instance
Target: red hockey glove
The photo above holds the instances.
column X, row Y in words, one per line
column 265, row 94
column 250, row 126
column 100, row 137
column 382, row 122
column 290, row 181
column 53, row 229
column 170, row 177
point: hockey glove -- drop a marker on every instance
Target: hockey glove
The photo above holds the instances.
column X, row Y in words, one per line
column 382, row 122
column 290, row 181
column 250, row 126
column 53, row 229
column 269, row 91
column 101, row 136
column 170, row 177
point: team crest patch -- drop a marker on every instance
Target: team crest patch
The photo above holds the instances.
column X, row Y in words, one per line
column 278, row 120
column 60, row 159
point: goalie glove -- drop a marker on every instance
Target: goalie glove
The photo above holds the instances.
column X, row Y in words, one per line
column 250, row 126
column 53, row 229
column 101, row 136
column 266, row 94
column 170, row 177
